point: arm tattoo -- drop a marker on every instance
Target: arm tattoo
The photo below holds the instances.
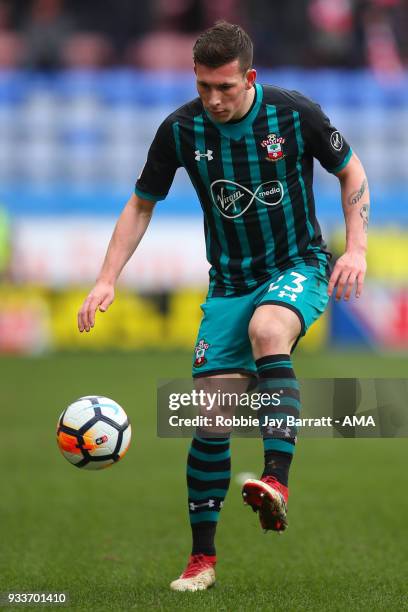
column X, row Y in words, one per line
column 364, row 214
column 356, row 196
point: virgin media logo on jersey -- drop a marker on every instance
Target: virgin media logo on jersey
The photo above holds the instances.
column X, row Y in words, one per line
column 233, row 199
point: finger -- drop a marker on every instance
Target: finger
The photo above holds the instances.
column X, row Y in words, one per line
column 333, row 280
column 85, row 312
column 82, row 316
column 93, row 305
column 80, row 321
column 350, row 284
column 360, row 283
column 341, row 284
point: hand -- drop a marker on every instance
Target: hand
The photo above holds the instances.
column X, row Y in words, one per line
column 349, row 268
column 101, row 296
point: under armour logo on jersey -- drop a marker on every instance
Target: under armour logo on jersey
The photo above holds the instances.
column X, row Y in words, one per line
column 199, row 155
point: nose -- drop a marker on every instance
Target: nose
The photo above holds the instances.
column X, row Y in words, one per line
column 214, row 100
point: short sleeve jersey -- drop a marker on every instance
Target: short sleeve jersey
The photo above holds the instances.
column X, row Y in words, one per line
column 253, row 178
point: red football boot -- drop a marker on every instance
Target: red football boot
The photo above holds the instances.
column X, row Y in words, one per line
column 270, row 498
column 198, row 575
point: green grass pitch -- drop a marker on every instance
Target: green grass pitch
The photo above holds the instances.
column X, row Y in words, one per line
column 114, row 540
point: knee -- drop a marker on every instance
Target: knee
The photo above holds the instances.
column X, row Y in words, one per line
column 268, row 336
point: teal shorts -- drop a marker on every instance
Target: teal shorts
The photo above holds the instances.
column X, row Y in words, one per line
column 223, row 344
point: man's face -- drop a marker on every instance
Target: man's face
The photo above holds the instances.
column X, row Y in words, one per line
column 224, row 90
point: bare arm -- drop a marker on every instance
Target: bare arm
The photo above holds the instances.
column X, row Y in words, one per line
column 129, row 230
column 351, row 266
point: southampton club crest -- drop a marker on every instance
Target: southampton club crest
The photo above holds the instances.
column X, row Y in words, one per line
column 273, row 145
column 199, row 351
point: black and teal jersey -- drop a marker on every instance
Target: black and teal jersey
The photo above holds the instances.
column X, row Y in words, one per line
column 254, row 181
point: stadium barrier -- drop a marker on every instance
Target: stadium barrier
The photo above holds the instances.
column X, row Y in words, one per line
column 158, row 309
column 36, row 320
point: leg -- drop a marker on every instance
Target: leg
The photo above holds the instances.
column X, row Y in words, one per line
column 287, row 308
column 273, row 331
column 208, row 479
column 222, row 353
column 209, row 470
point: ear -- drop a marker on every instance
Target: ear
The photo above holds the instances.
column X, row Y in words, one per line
column 250, row 78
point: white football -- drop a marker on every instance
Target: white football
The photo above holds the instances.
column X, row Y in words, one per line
column 93, row 432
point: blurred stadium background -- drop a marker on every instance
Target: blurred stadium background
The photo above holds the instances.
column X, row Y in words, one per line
column 83, row 88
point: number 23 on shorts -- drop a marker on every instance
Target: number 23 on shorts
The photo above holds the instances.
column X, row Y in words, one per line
column 289, row 290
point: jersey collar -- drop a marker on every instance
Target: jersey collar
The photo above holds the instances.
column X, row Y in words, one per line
column 237, row 129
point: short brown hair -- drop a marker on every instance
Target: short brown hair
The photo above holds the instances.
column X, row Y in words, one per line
column 223, row 43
